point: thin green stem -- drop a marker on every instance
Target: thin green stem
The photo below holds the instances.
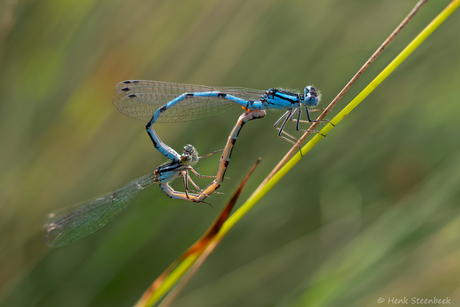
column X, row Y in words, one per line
column 184, row 266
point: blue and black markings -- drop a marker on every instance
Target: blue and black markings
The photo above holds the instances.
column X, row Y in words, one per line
column 160, row 96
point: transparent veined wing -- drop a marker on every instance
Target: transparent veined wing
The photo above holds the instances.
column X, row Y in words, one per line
column 83, row 219
column 139, row 99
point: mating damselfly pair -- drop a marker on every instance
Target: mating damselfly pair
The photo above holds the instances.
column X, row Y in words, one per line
column 155, row 101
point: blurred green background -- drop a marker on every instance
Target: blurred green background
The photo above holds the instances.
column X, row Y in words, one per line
column 372, row 211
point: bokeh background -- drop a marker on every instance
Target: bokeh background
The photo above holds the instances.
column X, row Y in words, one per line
column 373, row 211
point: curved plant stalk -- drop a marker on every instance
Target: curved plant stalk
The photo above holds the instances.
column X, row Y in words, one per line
column 200, row 250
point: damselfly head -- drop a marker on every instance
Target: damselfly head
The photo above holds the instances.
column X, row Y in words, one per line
column 190, row 155
column 312, row 96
